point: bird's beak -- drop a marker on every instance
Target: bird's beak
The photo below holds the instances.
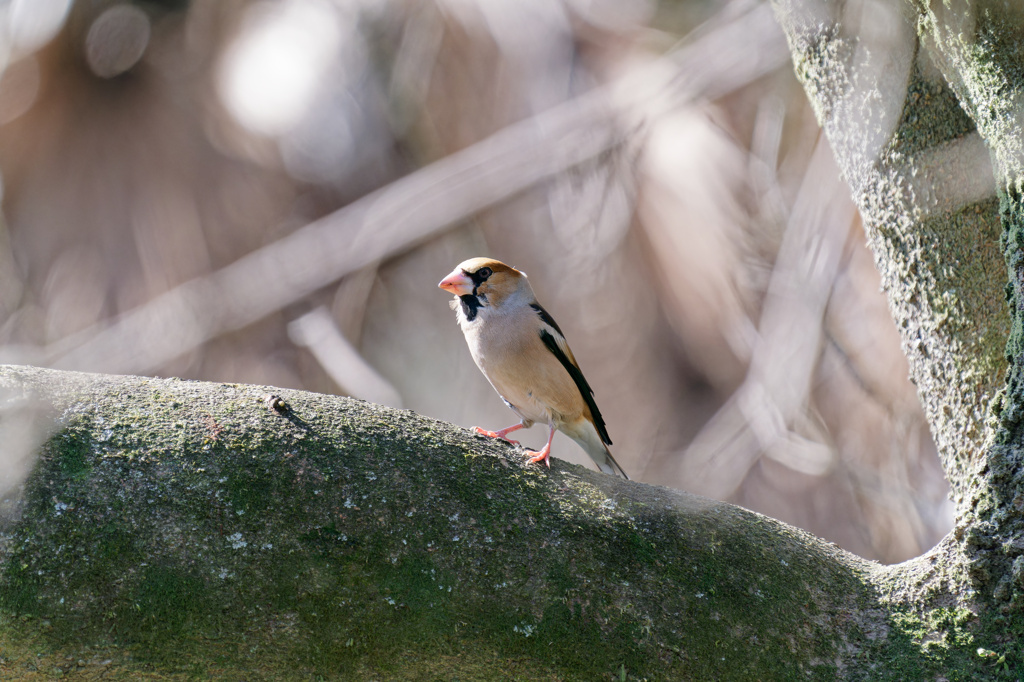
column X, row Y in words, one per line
column 457, row 283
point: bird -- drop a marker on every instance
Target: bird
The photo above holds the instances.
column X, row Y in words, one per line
column 523, row 354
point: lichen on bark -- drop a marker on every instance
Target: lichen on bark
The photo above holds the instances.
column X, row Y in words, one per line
column 981, row 48
column 339, row 537
column 952, row 271
column 213, row 533
column 895, row 126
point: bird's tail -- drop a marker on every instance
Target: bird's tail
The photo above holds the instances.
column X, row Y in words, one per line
column 590, row 440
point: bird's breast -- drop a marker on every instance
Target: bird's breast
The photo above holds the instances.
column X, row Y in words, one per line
column 525, row 373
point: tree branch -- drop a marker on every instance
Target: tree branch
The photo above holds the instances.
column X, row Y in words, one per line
column 406, row 212
column 197, row 518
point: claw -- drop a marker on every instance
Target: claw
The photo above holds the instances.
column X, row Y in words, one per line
column 495, row 434
column 542, row 456
column 501, row 433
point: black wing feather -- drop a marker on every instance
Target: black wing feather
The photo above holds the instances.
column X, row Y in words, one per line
column 574, row 372
column 546, row 316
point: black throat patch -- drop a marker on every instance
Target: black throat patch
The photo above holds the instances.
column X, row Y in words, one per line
column 470, row 304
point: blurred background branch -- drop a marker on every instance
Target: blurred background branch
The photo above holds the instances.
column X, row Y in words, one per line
column 268, row 192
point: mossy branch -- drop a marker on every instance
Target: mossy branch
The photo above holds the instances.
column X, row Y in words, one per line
column 253, row 528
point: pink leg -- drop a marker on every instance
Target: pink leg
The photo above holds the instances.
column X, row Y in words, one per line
column 544, row 455
column 501, row 433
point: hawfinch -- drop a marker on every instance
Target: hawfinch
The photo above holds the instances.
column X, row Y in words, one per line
column 522, row 352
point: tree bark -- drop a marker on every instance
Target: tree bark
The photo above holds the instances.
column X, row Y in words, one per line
column 236, row 531
column 920, row 101
column 222, row 530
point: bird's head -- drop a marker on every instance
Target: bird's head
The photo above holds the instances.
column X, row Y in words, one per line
column 490, row 282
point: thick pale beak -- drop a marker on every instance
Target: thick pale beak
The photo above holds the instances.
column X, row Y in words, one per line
column 457, row 283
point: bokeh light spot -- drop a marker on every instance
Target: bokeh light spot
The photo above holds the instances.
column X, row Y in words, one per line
column 117, row 40
column 33, row 23
column 19, row 87
column 270, row 74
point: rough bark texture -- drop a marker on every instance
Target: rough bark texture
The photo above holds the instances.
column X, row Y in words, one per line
column 906, row 91
column 224, row 537
column 897, row 131
column 201, row 530
column 980, row 48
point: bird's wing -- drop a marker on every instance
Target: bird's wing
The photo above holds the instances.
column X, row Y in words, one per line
column 555, row 342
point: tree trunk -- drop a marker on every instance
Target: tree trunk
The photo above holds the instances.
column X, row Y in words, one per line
column 243, row 532
column 920, row 101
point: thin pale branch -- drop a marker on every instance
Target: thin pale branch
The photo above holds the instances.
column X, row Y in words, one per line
column 412, row 209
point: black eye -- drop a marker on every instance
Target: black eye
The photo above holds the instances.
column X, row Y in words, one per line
column 483, row 273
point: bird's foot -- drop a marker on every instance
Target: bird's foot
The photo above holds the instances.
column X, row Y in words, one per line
column 500, row 433
column 543, row 455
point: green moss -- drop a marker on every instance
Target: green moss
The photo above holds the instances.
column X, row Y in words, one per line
column 1012, row 413
column 957, row 293
column 73, row 455
column 993, row 83
column 944, row 641
column 931, row 116
column 916, row 647
column 962, row 248
column 951, row 259
column 988, row 62
column 347, row 539
column 21, row 590
column 168, row 600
